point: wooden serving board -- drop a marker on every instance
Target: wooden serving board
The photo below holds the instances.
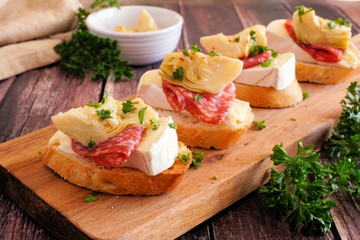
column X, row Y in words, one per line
column 59, row 206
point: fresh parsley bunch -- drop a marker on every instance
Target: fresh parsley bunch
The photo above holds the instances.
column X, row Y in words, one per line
column 345, row 137
column 300, row 193
column 87, row 52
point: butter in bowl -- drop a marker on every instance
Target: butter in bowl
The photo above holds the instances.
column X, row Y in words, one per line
column 140, row 42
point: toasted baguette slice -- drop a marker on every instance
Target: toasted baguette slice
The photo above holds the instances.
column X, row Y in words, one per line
column 307, row 72
column 120, row 181
column 269, row 97
column 196, row 133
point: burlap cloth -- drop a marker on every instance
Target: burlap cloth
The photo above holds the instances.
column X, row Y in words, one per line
column 28, row 32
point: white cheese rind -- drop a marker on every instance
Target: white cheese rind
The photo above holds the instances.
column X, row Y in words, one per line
column 157, row 149
column 279, row 75
column 150, row 90
column 279, row 40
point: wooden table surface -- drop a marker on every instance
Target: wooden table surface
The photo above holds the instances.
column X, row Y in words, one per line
column 28, row 100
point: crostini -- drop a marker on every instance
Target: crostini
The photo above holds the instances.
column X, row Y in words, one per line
column 118, row 147
column 322, row 47
column 197, row 91
column 268, row 78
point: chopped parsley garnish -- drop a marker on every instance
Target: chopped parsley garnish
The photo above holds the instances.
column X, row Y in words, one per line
column 184, row 157
column 197, row 158
column 173, row 125
column 306, row 95
column 185, row 52
column 141, row 115
column 274, row 54
column 95, row 105
column 179, row 74
column 344, row 22
column 91, row 198
column 155, row 124
column 257, row 49
column 252, row 35
column 216, row 177
column 301, row 11
column 197, row 97
column 267, row 63
column 260, row 125
column 237, row 39
column 293, row 119
column 195, row 49
column 91, row 144
column 104, row 114
column 213, row 54
column 128, row 106
column 331, row 25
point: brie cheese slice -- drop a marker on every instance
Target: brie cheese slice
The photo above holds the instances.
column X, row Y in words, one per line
column 279, row 75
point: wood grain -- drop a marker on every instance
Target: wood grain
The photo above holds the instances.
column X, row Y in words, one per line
column 14, row 224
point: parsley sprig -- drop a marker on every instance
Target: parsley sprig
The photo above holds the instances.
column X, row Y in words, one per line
column 345, row 136
column 300, row 193
column 86, row 52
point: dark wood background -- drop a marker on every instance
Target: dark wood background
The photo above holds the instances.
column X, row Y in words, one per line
column 27, row 102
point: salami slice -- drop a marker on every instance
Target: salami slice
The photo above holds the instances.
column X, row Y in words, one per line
column 317, row 52
column 209, row 108
column 113, row 152
column 256, row 60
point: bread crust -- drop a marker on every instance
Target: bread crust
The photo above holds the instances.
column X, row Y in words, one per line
column 306, row 72
column 119, row 181
column 195, row 133
column 269, row 97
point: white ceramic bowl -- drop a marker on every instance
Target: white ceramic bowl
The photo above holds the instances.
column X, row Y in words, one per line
column 143, row 47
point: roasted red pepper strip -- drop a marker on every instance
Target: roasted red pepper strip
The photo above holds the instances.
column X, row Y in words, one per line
column 317, row 52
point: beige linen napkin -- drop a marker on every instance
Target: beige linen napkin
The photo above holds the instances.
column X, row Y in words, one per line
column 24, row 20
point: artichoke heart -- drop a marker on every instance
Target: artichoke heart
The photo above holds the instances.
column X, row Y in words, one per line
column 84, row 123
column 235, row 46
column 312, row 29
column 146, row 23
column 201, row 73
